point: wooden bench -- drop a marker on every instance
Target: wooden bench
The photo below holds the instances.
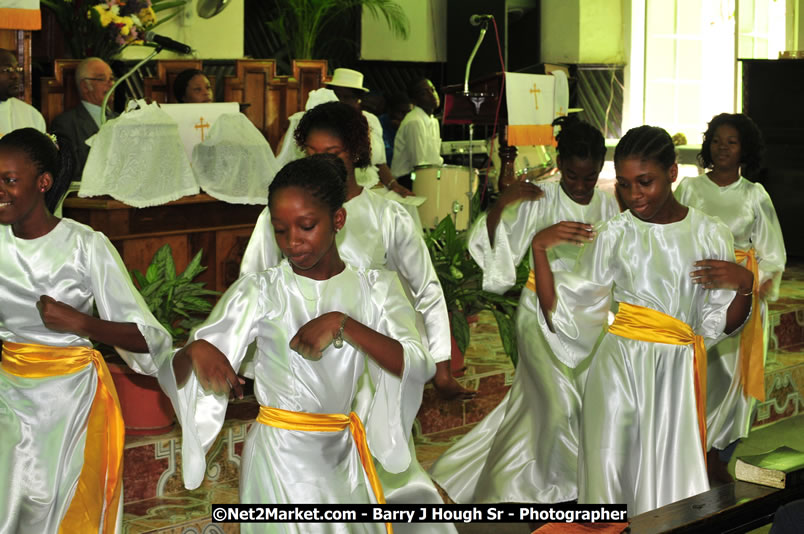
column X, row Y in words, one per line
column 731, row 508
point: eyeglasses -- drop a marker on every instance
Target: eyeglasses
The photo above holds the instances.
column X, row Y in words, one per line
column 103, row 80
column 9, row 69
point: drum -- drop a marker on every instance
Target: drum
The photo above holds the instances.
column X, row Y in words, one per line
column 448, row 189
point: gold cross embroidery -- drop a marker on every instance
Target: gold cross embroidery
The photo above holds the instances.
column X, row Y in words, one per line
column 535, row 96
column 200, row 126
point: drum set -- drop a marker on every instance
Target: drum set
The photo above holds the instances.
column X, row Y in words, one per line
column 449, row 188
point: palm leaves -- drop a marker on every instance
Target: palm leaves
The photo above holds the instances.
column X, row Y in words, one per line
column 462, row 282
column 300, row 23
column 175, row 300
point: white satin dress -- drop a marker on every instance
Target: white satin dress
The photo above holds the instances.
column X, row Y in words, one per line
column 43, row 420
column 640, row 441
column 287, row 466
column 379, row 233
column 526, row 449
column 747, row 210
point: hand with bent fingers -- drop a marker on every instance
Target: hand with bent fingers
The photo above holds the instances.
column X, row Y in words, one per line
column 563, row 232
column 519, row 191
column 60, row 317
column 312, row 338
column 400, row 189
column 213, row 369
column 719, row 274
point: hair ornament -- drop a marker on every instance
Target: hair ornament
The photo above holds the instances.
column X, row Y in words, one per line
column 54, row 139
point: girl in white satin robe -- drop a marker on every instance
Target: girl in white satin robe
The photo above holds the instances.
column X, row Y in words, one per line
column 378, row 233
column 641, row 441
column 733, row 141
column 50, row 282
column 526, row 449
column 273, row 307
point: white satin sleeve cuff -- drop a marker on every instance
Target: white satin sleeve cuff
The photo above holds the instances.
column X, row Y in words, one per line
column 396, row 399
column 230, row 327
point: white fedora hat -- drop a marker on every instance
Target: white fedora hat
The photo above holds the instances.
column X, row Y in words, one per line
column 347, row 78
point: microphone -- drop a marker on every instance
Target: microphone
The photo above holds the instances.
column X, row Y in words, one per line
column 167, row 43
column 477, row 20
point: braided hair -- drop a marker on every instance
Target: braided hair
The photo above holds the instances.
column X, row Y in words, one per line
column 46, row 157
column 321, row 175
column 579, row 139
column 647, row 143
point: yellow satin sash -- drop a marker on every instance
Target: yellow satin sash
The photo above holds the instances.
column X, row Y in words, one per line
column 97, row 494
column 531, row 283
column 752, row 338
column 328, row 422
column 645, row 324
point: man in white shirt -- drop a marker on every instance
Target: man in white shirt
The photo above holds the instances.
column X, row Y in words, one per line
column 418, row 140
column 14, row 113
column 94, row 78
column 348, row 87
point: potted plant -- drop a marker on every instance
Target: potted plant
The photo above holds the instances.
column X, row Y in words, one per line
column 462, row 282
column 178, row 304
column 300, row 24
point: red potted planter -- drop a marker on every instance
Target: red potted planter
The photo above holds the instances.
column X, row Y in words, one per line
column 147, row 411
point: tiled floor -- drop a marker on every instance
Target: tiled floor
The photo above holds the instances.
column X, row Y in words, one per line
column 156, row 502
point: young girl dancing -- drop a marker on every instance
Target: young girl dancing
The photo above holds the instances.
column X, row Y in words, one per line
column 732, row 146
column 321, row 326
column 62, row 431
column 378, row 233
column 526, row 449
column 667, row 266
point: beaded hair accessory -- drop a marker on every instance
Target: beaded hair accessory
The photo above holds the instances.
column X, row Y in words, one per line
column 54, row 139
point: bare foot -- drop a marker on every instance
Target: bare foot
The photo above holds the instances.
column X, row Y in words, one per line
column 449, row 389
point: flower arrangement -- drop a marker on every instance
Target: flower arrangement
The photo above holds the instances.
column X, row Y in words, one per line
column 104, row 28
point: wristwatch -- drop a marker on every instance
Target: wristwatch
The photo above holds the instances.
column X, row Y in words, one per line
column 337, row 341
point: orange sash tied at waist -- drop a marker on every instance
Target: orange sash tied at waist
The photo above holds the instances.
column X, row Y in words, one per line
column 97, row 494
column 328, row 422
column 531, row 283
column 752, row 338
column 645, row 324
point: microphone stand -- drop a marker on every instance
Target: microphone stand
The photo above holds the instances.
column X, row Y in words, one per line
column 124, row 78
column 477, row 99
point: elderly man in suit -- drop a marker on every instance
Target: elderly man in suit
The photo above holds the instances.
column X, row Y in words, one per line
column 94, row 78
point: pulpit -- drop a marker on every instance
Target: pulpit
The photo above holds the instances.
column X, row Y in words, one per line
column 485, row 101
column 188, row 225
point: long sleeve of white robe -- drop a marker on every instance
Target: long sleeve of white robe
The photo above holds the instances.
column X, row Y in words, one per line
column 270, row 307
column 378, row 233
column 517, row 454
column 641, row 446
column 78, row 266
column 747, row 210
